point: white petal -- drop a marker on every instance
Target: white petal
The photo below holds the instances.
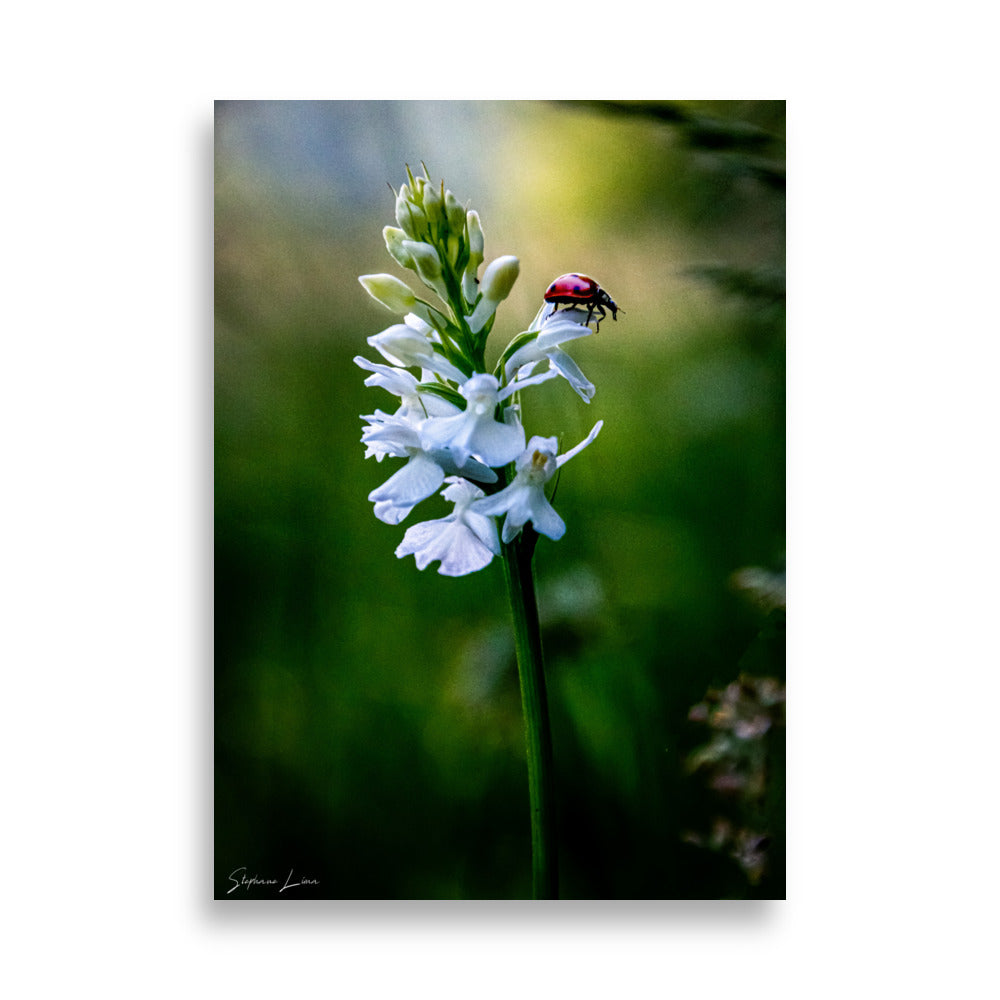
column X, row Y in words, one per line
column 458, row 548
column 419, row 537
column 558, row 331
column 460, row 491
column 570, row 371
column 391, row 435
column 421, row 405
column 567, row 314
column 470, row 470
column 510, row 529
column 399, row 344
column 466, row 553
column 442, row 366
column 416, row 481
column 388, row 513
column 485, row 529
column 497, row 504
column 543, row 314
column 545, row 519
column 519, row 509
column 523, row 383
column 527, row 355
column 395, row 380
column 482, row 387
column 495, row 443
column 594, row 431
column 439, row 431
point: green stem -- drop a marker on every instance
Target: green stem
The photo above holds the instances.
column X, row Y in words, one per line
column 538, row 739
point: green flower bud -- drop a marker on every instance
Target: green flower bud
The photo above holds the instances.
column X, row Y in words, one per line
column 426, row 260
column 455, row 212
column 394, row 239
column 470, row 285
column 394, row 294
column 499, row 278
column 403, row 214
column 433, row 206
column 410, row 215
column 477, row 242
column 497, row 282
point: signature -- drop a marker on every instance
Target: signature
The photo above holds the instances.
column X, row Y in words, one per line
column 241, row 880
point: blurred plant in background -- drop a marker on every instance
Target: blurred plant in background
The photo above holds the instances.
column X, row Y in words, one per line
column 350, row 742
column 736, row 765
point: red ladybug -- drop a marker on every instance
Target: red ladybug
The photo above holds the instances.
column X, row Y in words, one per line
column 579, row 290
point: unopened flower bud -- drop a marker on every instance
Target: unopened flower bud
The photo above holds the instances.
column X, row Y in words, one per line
column 477, row 242
column 410, row 216
column 433, row 206
column 499, row 278
column 455, row 212
column 394, row 239
column 470, row 281
column 403, row 216
column 426, row 260
column 395, row 295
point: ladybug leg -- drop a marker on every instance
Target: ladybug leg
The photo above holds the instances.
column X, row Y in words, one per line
column 597, row 309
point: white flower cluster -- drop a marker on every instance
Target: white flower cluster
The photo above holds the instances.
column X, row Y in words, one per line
column 457, row 424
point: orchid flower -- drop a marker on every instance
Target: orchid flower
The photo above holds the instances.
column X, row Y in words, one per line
column 420, row 477
column 464, row 541
column 410, row 345
column 555, row 329
column 475, row 430
column 524, row 499
column 416, row 403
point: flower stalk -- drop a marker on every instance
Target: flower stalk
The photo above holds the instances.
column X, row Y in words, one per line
column 519, row 577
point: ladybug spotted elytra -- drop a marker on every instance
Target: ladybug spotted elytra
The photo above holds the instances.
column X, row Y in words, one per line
column 582, row 291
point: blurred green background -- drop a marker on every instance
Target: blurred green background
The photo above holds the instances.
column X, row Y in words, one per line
column 368, row 728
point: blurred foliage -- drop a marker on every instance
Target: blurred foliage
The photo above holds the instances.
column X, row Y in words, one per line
column 368, row 726
column 742, row 766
